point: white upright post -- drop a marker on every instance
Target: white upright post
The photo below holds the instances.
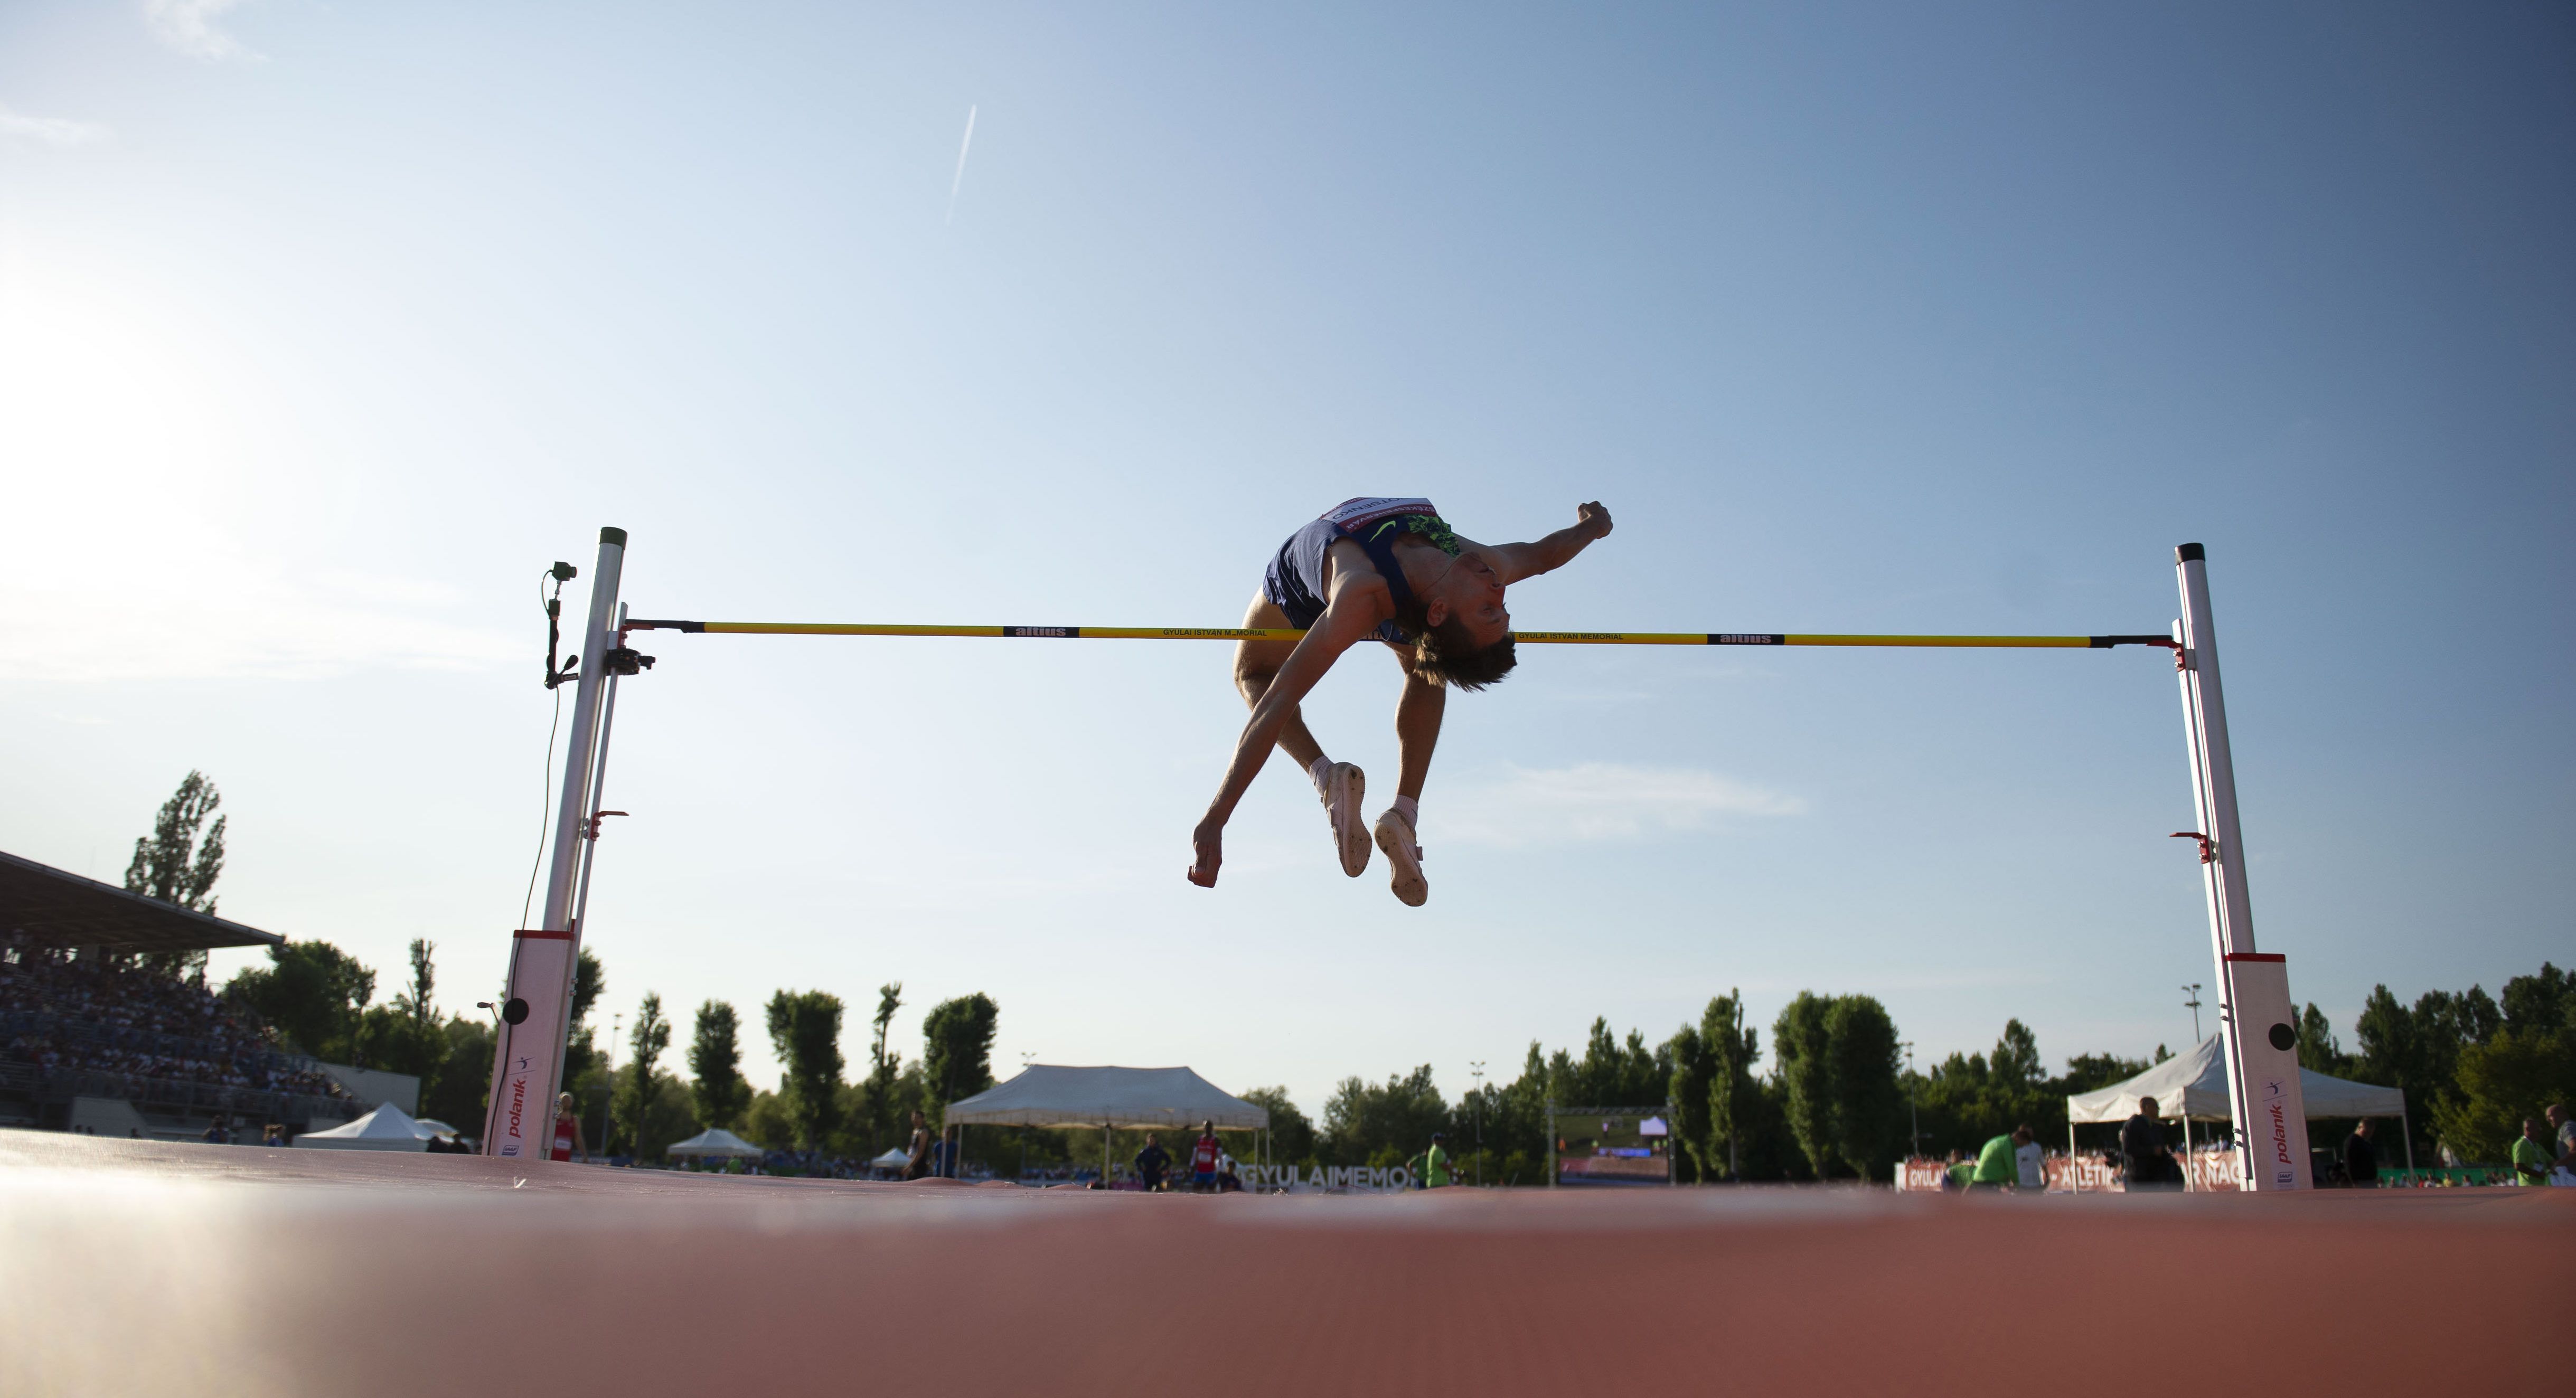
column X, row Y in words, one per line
column 536, row 1010
column 2269, row 1129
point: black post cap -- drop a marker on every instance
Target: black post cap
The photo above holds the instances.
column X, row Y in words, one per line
column 611, row 534
column 2186, row 553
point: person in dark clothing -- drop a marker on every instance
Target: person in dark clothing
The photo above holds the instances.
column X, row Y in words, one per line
column 916, row 1163
column 1152, row 1162
column 2360, row 1156
column 2145, row 1163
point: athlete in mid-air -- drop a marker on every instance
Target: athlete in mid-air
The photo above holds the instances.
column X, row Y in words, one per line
column 1387, row 570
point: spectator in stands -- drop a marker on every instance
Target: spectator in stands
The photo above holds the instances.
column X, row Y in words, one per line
column 219, row 1132
column 2361, row 1156
column 2145, row 1161
column 1152, row 1161
column 2563, row 1129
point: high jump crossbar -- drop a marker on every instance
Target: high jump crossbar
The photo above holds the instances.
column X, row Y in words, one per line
column 1242, row 633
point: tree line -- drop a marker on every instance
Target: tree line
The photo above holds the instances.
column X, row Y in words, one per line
column 1834, row 1099
column 1830, row 1098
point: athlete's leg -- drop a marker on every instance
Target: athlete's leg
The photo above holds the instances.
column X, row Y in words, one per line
column 1417, row 727
column 1341, row 785
column 1257, row 663
column 1417, row 732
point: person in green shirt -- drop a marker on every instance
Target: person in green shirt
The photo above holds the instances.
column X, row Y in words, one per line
column 1435, row 1163
column 2532, row 1156
column 1996, row 1167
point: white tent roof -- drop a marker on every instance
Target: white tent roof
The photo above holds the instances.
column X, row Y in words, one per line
column 1045, row 1095
column 385, row 1128
column 892, row 1160
column 719, row 1143
column 2194, row 1083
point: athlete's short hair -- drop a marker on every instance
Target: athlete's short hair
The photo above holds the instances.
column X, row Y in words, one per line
column 1447, row 654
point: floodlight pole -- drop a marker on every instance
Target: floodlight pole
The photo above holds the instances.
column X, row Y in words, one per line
column 536, row 1011
column 2269, row 1126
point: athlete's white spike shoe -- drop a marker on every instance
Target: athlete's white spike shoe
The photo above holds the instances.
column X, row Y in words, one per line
column 1403, row 858
column 1345, row 789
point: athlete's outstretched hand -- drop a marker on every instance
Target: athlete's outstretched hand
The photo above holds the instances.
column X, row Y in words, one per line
column 1594, row 515
column 1210, row 839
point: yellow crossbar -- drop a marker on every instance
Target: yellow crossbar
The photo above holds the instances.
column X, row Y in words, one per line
column 1541, row 638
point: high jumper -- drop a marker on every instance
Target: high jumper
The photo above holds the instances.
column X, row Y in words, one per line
column 1386, row 569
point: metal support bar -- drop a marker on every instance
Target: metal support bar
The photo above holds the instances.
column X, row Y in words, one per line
column 2269, row 1124
column 536, row 1012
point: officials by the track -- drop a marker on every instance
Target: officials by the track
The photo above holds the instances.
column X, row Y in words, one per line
column 2361, row 1155
column 916, row 1161
column 1999, row 1164
column 2146, row 1162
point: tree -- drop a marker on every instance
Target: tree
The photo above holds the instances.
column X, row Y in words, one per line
column 2417, row 1050
column 1838, row 1062
column 581, row 1055
column 2543, row 1003
column 1870, row 1111
column 175, row 865
column 718, row 1093
column 883, row 1067
column 1363, row 1122
column 2319, row 1050
column 1736, row 1105
column 805, row 1029
column 455, row 1093
column 404, row 1036
column 311, row 993
column 637, row 1092
column 957, row 1047
column 1292, row 1136
column 2513, row 1076
column 1692, row 1160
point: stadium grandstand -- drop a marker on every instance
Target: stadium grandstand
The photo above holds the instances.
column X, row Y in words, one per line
column 94, row 1037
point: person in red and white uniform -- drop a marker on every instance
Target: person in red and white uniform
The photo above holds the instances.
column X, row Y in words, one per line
column 567, row 1132
column 1204, row 1154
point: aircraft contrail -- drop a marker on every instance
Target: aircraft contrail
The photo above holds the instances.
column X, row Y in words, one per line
column 962, row 147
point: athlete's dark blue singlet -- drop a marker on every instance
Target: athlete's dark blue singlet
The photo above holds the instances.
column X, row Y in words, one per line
column 1295, row 578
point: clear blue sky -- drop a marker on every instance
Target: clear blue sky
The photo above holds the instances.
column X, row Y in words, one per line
column 324, row 328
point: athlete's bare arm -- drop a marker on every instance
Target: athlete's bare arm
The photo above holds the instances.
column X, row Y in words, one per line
column 1517, row 561
column 1360, row 603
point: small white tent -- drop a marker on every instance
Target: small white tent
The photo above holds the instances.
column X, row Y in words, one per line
column 1173, row 1099
column 715, row 1143
column 385, row 1128
column 2192, row 1085
column 1045, row 1095
column 892, row 1160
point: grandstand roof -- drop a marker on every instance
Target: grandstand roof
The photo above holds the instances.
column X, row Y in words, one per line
column 49, row 907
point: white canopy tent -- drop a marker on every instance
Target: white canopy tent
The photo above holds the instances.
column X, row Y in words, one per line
column 385, row 1128
column 893, row 1159
column 715, row 1143
column 1153, row 1098
column 2192, row 1085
